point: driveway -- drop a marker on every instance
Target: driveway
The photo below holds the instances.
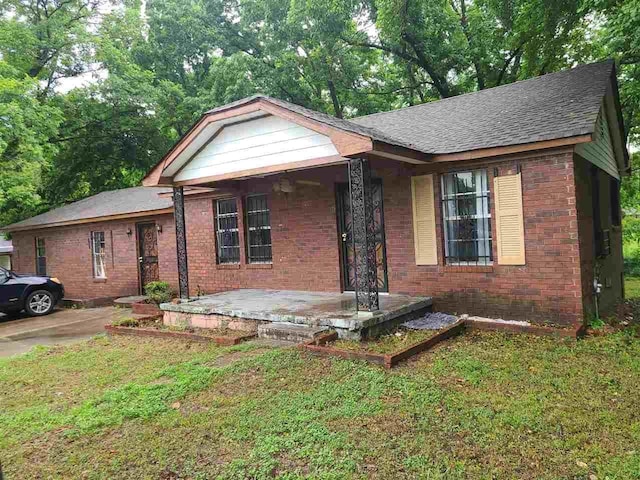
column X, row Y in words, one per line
column 19, row 335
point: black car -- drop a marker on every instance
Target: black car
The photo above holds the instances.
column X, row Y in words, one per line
column 35, row 294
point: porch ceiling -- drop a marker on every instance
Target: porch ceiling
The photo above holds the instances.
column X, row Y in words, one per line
column 262, row 136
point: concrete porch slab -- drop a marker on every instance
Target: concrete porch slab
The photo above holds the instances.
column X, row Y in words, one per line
column 335, row 310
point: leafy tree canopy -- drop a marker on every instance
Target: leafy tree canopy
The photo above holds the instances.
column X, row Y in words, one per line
column 145, row 71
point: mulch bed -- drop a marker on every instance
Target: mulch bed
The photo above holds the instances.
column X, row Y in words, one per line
column 153, row 327
column 329, row 345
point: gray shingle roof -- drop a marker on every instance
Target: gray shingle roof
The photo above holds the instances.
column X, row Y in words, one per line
column 114, row 202
column 556, row 105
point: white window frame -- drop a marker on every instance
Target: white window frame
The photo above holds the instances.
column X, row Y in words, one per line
column 483, row 212
column 98, row 255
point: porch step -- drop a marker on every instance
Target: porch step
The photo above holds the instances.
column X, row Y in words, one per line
column 289, row 332
column 127, row 301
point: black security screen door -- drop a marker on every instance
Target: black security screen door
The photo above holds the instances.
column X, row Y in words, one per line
column 345, row 231
column 148, row 251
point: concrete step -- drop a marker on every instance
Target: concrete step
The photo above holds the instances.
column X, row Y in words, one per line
column 127, row 301
column 289, row 332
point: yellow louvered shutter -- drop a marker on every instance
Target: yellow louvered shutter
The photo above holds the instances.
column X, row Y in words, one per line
column 509, row 219
column 424, row 220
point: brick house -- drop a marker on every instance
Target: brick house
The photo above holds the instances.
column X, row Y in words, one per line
column 501, row 203
column 103, row 246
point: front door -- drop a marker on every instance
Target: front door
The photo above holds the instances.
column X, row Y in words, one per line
column 148, row 253
column 345, row 230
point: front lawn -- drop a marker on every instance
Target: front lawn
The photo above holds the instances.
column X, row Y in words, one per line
column 483, row 405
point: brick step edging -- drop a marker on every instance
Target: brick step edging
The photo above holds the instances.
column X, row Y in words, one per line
column 139, row 332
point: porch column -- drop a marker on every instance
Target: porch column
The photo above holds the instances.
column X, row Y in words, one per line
column 181, row 241
column 364, row 244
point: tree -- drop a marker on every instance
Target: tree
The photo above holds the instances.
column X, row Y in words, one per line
column 26, row 125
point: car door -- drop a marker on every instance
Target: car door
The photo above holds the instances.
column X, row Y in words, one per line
column 11, row 289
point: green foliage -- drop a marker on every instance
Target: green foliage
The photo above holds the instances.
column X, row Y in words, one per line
column 158, row 292
column 156, row 71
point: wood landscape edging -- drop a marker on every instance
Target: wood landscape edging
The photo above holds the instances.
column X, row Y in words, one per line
column 319, row 346
column 141, row 332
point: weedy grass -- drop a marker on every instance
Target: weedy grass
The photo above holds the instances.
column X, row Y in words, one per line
column 483, row 405
column 386, row 344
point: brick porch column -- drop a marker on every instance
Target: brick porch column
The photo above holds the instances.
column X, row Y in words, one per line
column 364, row 244
column 181, row 241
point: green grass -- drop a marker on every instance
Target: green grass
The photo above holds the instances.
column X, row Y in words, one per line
column 632, row 287
column 480, row 406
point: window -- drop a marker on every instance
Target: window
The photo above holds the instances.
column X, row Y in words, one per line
column 41, row 257
column 228, row 238
column 467, row 218
column 4, row 275
column 97, row 254
column 258, row 230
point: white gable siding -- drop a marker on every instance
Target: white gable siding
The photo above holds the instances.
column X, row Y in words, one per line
column 258, row 143
column 600, row 150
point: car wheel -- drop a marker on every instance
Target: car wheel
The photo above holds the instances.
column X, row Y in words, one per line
column 40, row 302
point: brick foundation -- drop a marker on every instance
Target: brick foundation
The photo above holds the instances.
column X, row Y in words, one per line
column 210, row 321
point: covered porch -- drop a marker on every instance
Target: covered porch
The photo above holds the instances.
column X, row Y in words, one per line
column 245, row 309
column 248, row 157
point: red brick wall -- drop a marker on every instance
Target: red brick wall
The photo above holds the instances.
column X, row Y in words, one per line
column 69, row 256
column 547, row 289
column 303, row 235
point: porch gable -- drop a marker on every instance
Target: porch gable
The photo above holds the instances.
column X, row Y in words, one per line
column 258, row 143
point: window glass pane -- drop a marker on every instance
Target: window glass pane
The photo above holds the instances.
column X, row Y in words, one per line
column 258, row 229
column 98, row 254
column 228, row 239
column 466, row 218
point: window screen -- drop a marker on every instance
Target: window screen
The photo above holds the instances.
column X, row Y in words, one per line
column 258, row 230
column 41, row 257
column 228, row 239
column 466, row 218
column 98, row 255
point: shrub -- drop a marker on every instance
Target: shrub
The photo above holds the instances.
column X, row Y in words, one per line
column 158, row 292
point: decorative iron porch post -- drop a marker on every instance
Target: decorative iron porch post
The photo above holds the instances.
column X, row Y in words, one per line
column 181, row 241
column 364, row 242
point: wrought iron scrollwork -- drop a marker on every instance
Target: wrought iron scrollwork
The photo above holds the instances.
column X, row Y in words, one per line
column 364, row 235
column 181, row 241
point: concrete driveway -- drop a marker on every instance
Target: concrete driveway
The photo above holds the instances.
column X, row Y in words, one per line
column 18, row 335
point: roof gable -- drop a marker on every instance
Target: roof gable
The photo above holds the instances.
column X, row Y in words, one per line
column 260, row 142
